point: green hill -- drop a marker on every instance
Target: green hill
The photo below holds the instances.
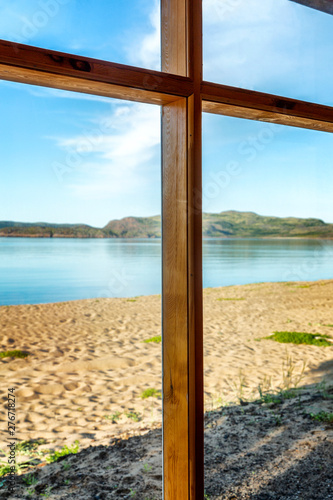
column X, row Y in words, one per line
column 250, row 225
column 230, row 224
column 46, row 230
column 134, row 227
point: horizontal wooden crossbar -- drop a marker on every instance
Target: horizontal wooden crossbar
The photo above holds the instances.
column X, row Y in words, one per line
column 26, row 64
column 231, row 101
column 35, row 66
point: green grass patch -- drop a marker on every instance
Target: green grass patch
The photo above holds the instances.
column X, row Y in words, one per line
column 114, row 418
column 290, row 393
column 30, row 479
column 65, row 450
column 231, row 298
column 300, row 338
column 323, row 416
column 13, row 354
column 329, row 325
column 29, row 447
column 134, row 415
column 155, row 340
column 277, row 397
column 295, row 285
column 131, row 300
column 151, row 393
column 4, row 469
column 271, row 399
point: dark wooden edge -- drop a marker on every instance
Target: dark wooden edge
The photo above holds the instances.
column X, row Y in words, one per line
column 195, row 282
column 25, row 64
column 175, row 298
column 49, row 63
column 182, row 54
column 195, row 305
column 40, row 78
column 224, row 100
column 323, row 5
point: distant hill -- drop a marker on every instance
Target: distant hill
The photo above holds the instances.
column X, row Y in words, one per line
column 134, row 227
column 230, row 224
column 250, row 225
column 46, row 230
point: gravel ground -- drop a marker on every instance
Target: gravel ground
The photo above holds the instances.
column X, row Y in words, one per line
column 259, row 451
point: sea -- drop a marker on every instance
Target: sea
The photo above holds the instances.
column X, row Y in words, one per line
column 38, row 270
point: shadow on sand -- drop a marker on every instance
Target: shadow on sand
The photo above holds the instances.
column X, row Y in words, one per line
column 263, row 450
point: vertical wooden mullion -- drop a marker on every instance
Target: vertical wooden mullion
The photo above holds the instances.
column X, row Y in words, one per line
column 174, row 36
column 195, row 314
column 175, row 302
column 196, row 368
column 182, row 258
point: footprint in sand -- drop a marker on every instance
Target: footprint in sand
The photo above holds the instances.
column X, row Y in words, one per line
column 71, row 386
column 25, row 393
column 50, row 389
column 33, row 417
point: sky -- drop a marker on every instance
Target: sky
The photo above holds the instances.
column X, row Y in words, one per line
column 70, row 158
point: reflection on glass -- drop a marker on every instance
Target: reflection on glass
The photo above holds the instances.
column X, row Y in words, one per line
column 80, row 284
column 268, row 288
column 276, row 46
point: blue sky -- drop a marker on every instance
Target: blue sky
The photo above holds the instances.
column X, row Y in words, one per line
column 76, row 158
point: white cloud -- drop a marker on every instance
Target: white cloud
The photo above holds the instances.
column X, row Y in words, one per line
column 118, row 155
column 245, row 11
column 148, row 52
column 250, row 42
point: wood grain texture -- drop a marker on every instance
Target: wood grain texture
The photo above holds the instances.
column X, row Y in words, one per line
column 181, row 126
column 195, row 307
column 33, row 77
column 174, row 36
column 183, row 453
column 54, row 69
column 231, row 101
column 175, row 302
column 196, row 381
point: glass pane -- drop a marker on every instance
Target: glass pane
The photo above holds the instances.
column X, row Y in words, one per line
column 126, row 32
column 277, row 46
column 80, row 285
column 268, row 288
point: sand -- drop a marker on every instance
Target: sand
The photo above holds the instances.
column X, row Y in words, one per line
column 88, row 364
column 253, row 451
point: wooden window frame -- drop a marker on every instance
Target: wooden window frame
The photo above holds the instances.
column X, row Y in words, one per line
column 183, row 95
column 323, row 5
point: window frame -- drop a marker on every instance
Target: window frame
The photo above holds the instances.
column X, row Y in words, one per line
column 183, row 95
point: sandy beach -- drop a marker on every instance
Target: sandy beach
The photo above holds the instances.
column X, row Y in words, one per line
column 89, row 364
column 88, row 361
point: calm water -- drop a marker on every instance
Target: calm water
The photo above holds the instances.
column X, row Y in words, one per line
column 52, row 270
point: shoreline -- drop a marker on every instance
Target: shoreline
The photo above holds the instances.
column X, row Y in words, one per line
column 89, row 364
column 130, row 298
column 61, row 237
